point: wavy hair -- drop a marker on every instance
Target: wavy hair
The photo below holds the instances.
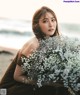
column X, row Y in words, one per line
column 35, row 22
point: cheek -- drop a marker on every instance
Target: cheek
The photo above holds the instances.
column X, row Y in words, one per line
column 43, row 27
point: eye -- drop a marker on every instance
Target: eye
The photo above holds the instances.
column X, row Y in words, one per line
column 44, row 21
column 53, row 20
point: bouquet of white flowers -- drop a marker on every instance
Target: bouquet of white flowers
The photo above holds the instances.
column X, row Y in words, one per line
column 57, row 60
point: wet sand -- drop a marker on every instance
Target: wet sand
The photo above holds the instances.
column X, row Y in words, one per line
column 6, row 57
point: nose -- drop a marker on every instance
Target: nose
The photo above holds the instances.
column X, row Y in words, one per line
column 50, row 23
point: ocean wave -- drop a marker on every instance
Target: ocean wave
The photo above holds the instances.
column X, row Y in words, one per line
column 70, row 27
column 14, row 32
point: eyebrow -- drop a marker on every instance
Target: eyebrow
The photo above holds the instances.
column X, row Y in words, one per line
column 47, row 18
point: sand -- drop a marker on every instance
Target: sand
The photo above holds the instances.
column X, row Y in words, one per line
column 6, row 57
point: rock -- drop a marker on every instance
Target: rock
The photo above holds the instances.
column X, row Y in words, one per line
column 6, row 52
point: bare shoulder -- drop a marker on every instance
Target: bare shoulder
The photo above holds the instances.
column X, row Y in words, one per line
column 30, row 46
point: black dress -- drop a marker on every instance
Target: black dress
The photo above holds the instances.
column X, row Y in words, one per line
column 16, row 88
column 13, row 87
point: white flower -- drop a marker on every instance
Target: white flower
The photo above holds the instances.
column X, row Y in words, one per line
column 56, row 60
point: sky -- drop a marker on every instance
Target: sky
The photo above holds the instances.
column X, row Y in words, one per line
column 24, row 9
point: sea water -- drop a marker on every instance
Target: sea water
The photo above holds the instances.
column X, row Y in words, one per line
column 14, row 34
column 13, row 41
column 17, row 34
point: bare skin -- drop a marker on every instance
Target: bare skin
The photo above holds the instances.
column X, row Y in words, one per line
column 27, row 49
column 47, row 24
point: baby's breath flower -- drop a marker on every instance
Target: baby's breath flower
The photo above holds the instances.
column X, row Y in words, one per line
column 57, row 59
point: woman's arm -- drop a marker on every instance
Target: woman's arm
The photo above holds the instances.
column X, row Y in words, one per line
column 26, row 50
column 20, row 77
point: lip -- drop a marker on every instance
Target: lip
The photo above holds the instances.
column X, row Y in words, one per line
column 50, row 29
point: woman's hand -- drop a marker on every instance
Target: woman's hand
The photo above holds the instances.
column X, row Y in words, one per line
column 31, row 82
column 28, row 81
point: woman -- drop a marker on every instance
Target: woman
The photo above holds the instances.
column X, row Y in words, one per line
column 44, row 25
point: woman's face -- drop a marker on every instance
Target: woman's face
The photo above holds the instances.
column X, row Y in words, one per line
column 47, row 24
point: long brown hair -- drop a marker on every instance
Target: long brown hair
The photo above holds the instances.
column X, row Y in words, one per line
column 35, row 22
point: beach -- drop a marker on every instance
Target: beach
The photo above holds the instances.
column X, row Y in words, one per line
column 11, row 40
column 6, row 57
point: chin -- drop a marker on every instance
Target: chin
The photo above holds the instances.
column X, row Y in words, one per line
column 51, row 34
